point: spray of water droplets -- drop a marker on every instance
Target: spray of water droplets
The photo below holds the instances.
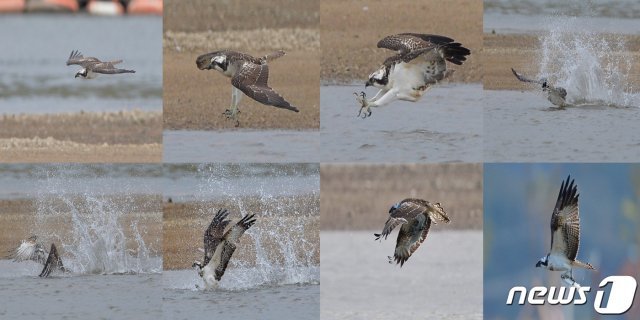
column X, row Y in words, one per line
column 592, row 67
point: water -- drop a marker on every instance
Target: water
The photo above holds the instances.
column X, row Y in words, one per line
column 522, row 127
column 441, row 280
column 26, row 296
column 445, row 125
column 36, row 79
column 240, row 146
column 608, row 16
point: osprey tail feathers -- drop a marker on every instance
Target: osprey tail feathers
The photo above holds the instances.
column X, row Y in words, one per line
column 454, row 52
column 272, row 56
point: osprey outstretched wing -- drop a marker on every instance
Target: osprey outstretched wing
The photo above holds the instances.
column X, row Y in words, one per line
column 91, row 66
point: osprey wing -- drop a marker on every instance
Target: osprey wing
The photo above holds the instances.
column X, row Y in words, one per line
column 109, row 68
column 252, row 79
column 406, row 42
column 410, row 238
column 53, row 262
column 525, row 79
column 406, row 211
column 77, row 58
column 565, row 221
column 230, row 240
column 214, row 235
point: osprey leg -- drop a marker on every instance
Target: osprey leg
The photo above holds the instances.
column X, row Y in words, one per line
column 232, row 113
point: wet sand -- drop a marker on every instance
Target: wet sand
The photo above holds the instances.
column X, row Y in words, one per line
column 18, row 221
column 195, row 99
column 358, row 197
column 502, row 52
column 184, row 224
column 351, row 29
column 126, row 136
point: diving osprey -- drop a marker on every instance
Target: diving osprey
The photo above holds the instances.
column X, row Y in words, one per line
column 565, row 235
column 419, row 64
column 220, row 240
column 248, row 74
column 556, row 95
column 32, row 250
column 92, row 66
column 415, row 216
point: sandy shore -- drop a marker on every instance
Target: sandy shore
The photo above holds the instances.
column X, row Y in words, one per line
column 520, row 51
column 184, row 224
column 18, row 221
column 351, row 29
column 358, row 197
column 195, row 99
column 126, row 136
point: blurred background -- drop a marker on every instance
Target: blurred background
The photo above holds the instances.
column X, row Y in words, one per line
column 518, row 202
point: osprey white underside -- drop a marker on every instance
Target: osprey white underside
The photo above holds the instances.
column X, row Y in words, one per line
column 407, row 81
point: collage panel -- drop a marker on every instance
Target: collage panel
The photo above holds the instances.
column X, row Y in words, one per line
column 561, row 81
column 80, row 241
column 432, row 268
column 422, row 62
column 80, row 87
column 241, row 241
column 241, row 81
column 561, row 241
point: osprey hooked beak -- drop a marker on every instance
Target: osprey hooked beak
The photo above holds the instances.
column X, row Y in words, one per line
column 368, row 83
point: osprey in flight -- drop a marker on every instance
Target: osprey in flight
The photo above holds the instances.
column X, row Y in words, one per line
column 220, row 240
column 30, row 249
column 565, row 235
column 92, row 66
column 415, row 216
column 248, row 74
column 419, row 64
column 556, row 95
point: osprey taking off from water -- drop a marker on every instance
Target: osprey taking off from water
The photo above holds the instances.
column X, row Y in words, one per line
column 248, row 75
column 415, row 216
column 92, row 66
column 419, row 64
column 565, row 235
column 220, row 240
column 556, row 95
column 31, row 249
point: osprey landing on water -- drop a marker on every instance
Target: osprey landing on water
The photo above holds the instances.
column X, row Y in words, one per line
column 91, row 66
column 220, row 241
column 415, row 216
column 248, row 74
column 420, row 62
column 556, row 95
column 565, row 235
column 31, row 249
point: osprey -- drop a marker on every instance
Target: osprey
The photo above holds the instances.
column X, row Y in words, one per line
column 248, row 75
column 565, row 235
column 220, row 240
column 32, row 250
column 415, row 216
column 419, row 64
column 556, row 95
column 92, row 66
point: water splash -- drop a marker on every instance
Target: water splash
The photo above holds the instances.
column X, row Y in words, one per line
column 594, row 68
column 98, row 233
column 285, row 239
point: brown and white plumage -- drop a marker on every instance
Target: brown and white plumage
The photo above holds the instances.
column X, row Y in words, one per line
column 555, row 95
column 29, row 249
column 248, row 74
column 565, row 234
column 420, row 62
column 54, row 262
column 91, row 66
column 220, row 241
column 415, row 217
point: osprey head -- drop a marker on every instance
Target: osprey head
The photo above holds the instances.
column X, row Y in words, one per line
column 82, row 73
column 543, row 261
column 213, row 60
column 394, row 207
column 198, row 266
column 378, row 79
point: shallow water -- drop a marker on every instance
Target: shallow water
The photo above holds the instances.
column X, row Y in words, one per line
column 445, row 125
column 240, row 146
column 182, row 301
column 441, row 280
column 522, row 127
column 26, row 296
column 36, row 79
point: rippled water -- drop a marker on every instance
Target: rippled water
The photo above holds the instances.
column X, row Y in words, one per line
column 441, row 280
column 36, row 79
column 522, row 127
column 445, row 125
